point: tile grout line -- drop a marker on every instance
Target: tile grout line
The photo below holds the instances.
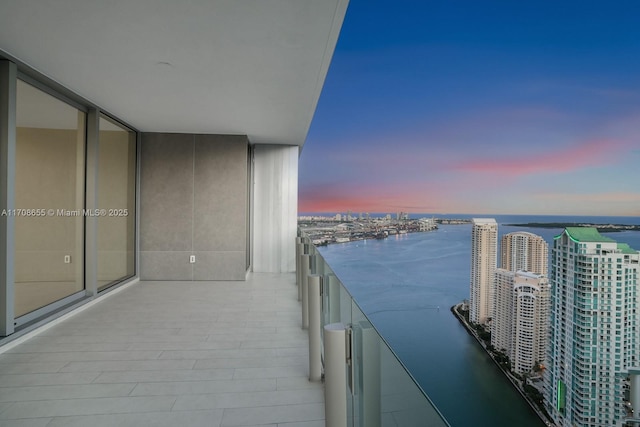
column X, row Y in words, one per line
column 57, row 321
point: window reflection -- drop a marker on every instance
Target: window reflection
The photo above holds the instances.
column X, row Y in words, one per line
column 49, row 197
column 116, row 199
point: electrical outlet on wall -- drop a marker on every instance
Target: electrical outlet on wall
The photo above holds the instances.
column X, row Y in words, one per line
column 192, row 259
column 67, row 259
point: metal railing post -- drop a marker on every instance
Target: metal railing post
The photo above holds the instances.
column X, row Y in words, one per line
column 299, row 252
column 315, row 340
column 305, row 289
column 335, row 383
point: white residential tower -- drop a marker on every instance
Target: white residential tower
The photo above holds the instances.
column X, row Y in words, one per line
column 521, row 321
column 484, row 251
column 524, row 251
column 522, row 296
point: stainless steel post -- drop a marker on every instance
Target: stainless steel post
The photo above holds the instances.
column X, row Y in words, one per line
column 305, row 294
column 315, row 340
column 299, row 253
column 335, row 381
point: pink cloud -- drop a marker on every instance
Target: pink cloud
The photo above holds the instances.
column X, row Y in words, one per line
column 363, row 197
column 579, row 156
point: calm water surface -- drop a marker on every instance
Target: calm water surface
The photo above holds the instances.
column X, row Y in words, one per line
column 406, row 285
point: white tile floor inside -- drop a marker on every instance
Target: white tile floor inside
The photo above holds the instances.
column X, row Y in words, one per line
column 169, row 354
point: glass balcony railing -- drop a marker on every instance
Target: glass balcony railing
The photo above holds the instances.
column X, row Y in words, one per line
column 380, row 390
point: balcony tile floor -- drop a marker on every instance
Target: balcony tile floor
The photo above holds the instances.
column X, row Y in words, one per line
column 169, row 354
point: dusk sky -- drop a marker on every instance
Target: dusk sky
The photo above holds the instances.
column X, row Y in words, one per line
column 480, row 107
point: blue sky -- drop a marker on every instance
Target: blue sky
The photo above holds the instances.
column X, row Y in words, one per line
column 479, row 107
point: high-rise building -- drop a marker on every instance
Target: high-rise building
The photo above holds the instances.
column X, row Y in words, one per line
column 524, row 251
column 521, row 320
column 593, row 339
column 522, row 297
column 484, row 252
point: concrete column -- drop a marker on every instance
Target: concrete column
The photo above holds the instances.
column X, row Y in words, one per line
column 315, row 340
column 8, row 88
column 335, row 376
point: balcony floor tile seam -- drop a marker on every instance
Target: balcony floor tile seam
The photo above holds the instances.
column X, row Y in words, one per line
column 253, row 412
column 53, row 404
column 281, row 338
column 40, row 388
column 112, row 419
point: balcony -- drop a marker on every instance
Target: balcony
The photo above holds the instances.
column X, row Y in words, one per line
column 203, row 353
column 169, row 354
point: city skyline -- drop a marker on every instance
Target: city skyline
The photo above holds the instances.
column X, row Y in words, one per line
column 465, row 107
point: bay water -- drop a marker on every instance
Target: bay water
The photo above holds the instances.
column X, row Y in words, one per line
column 406, row 285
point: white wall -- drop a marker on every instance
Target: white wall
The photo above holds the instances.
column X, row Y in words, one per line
column 275, row 208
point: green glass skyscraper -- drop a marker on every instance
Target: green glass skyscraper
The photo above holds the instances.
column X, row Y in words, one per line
column 593, row 339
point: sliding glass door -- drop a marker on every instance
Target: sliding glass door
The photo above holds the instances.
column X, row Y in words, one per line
column 49, row 200
column 116, row 202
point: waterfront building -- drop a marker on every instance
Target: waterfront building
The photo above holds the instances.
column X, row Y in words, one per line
column 484, row 251
column 520, row 323
column 593, row 341
column 524, row 251
column 521, row 320
column 427, row 224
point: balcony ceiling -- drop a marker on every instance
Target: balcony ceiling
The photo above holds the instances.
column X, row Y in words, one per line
column 253, row 67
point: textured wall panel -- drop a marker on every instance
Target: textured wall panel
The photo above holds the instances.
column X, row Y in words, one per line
column 165, row 265
column 220, row 207
column 193, row 202
column 166, row 192
column 220, row 265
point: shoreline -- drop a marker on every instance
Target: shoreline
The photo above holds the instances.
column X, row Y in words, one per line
column 514, row 381
column 352, row 239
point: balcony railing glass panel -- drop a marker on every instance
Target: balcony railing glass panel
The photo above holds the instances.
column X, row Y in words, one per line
column 380, row 390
